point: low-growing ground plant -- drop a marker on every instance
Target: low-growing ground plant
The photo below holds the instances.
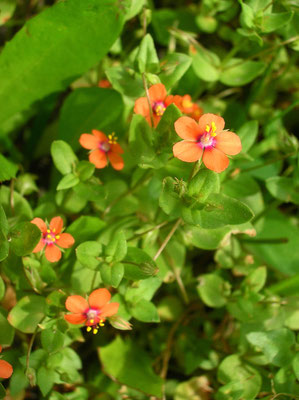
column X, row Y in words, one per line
column 149, row 235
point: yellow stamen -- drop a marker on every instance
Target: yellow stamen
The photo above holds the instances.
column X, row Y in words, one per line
column 88, row 328
column 49, row 236
column 48, row 230
column 57, row 237
column 54, row 230
column 91, row 321
column 211, row 130
column 112, row 139
column 95, row 331
column 187, row 103
column 101, row 323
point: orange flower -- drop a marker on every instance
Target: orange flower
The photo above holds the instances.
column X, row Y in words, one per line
column 159, row 102
column 52, row 237
column 92, row 312
column 104, row 83
column 186, row 105
column 102, row 148
column 206, row 139
column 6, row 369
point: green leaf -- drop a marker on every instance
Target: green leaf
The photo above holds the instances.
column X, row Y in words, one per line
column 112, row 274
column 125, row 81
column 205, row 65
column 86, row 109
column 247, row 16
column 273, row 22
column 87, row 253
column 275, row 345
column 85, row 170
column 85, row 228
column 147, row 58
column 296, row 365
column 145, row 290
column 117, row 247
column 92, row 190
column 4, row 249
column 63, row 156
column 7, row 331
column 2, row 288
column 138, row 264
column 144, row 311
column 45, row 379
column 233, row 370
column 213, row 290
column 239, row 72
column 283, row 188
column 169, row 199
column 248, row 134
column 173, row 67
column 68, row 181
column 52, row 339
column 208, row 239
column 256, row 280
column 49, row 34
column 4, row 228
column 8, row 169
column 25, row 184
column 21, row 209
column 131, row 366
column 2, row 391
column 24, row 237
column 222, row 210
column 7, row 10
column 27, row 313
column 166, row 135
column 203, row 184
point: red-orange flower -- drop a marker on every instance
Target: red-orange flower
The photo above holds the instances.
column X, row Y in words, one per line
column 206, row 139
column 104, row 83
column 6, row 369
column 92, row 312
column 159, row 102
column 186, row 105
column 102, row 149
column 52, row 237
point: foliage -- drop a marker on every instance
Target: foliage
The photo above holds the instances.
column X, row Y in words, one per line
column 200, row 260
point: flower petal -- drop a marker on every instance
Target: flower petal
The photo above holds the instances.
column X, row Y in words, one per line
column 40, row 224
column 141, row 106
column 40, row 245
column 0, row 348
column 157, row 92
column 116, row 161
column 52, row 253
column 98, row 298
column 65, row 240
column 56, row 224
column 98, row 158
column 88, row 141
column 207, row 119
column 99, row 135
column 6, row 369
column 215, row 160
column 187, row 151
column 75, row 319
column 229, row 143
column 109, row 309
column 115, row 148
column 187, row 128
column 76, row 304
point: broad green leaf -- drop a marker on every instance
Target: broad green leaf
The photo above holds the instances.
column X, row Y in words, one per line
column 24, row 237
column 125, row 81
column 275, row 345
column 206, row 23
column 222, row 210
column 144, row 311
column 63, row 156
column 283, row 188
column 7, row 8
column 68, row 181
column 145, row 290
column 247, row 16
column 233, row 369
column 138, row 264
column 25, row 184
column 203, row 184
column 169, row 199
column 52, row 339
column 86, row 109
column 296, row 365
column 8, row 169
column 14, row 205
column 2, row 288
column 7, row 331
column 87, row 253
column 3, row 223
column 131, row 366
column 4, row 249
column 166, row 135
column 213, row 290
column 273, row 22
column 248, row 134
column 239, row 72
column 117, row 247
column 208, row 239
column 27, row 313
column 112, row 274
column 85, row 228
column 45, row 379
column 92, row 190
column 50, row 51
column 205, row 65
column 147, row 58
column 173, row 67
column 85, row 170
column 256, row 280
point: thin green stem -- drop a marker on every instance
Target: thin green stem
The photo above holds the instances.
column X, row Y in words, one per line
column 159, row 226
column 167, row 239
column 148, row 98
column 265, row 241
column 93, row 280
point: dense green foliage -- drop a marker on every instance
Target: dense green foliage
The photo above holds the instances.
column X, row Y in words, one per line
column 204, row 265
